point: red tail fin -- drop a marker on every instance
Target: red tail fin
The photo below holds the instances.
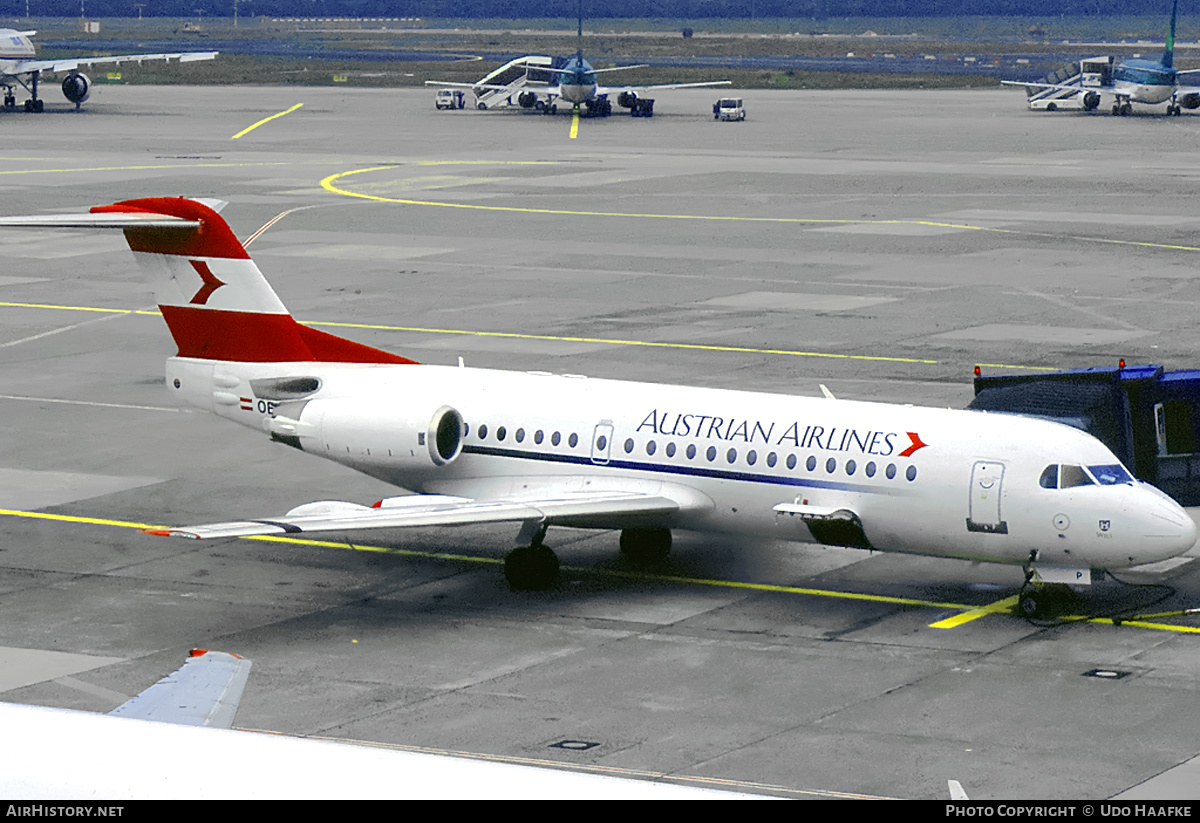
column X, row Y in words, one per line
column 216, row 302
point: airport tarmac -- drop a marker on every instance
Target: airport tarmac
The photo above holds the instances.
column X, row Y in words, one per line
column 879, row 243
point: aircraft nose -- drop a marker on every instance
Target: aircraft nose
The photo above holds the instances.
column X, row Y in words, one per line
column 1169, row 526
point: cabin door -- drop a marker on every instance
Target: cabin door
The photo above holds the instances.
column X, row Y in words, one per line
column 987, row 486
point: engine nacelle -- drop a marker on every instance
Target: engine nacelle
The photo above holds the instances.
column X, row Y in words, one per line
column 627, row 99
column 1189, row 101
column 372, row 439
column 527, row 99
column 1091, row 100
column 76, row 87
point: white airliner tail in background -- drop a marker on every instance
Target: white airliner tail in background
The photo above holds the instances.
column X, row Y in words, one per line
column 536, row 450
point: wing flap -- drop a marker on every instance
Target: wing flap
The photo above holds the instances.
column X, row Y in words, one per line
column 204, row 691
column 436, row 510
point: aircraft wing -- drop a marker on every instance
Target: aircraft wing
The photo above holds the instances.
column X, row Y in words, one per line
column 445, row 510
column 617, row 89
column 72, row 63
column 1060, row 86
column 204, row 691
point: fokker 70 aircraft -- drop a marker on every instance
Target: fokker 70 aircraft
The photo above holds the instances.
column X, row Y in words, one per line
column 17, row 63
column 536, row 450
column 1138, row 81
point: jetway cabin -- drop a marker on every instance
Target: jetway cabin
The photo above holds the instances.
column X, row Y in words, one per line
column 1149, row 417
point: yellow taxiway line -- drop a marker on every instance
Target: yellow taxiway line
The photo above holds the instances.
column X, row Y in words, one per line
column 558, row 339
column 969, row 612
column 329, row 185
column 249, row 129
column 574, row 125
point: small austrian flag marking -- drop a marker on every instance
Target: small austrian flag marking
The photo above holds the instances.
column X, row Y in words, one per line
column 247, row 403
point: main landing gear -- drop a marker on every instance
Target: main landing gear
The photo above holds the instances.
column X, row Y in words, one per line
column 1122, row 107
column 534, row 567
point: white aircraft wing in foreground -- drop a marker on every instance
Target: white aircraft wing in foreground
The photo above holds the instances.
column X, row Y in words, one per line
column 18, row 67
column 540, row 450
column 153, row 747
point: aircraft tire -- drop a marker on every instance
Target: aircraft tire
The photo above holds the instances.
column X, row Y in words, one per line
column 645, row 547
column 531, row 568
column 1030, row 605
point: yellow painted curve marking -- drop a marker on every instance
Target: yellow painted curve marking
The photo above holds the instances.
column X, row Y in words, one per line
column 574, row 125
column 994, row 608
column 329, row 185
column 249, row 129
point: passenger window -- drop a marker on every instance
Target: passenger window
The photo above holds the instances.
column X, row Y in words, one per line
column 691, row 451
column 850, row 467
column 483, row 431
column 520, row 435
column 911, row 473
column 501, row 432
column 650, row 447
column 791, row 461
column 555, row 439
column 870, row 469
column 831, row 465
column 573, row 440
column 629, row 445
column 771, row 459
column 537, row 437
column 731, row 456
column 811, row 463
column 751, row 457
column 711, row 453
column 1049, row 478
column 670, row 450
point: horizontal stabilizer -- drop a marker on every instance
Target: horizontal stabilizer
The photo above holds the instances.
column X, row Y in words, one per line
column 204, row 691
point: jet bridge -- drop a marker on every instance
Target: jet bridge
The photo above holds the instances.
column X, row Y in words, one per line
column 1149, row 417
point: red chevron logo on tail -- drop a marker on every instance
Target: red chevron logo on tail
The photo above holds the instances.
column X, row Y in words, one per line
column 211, row 283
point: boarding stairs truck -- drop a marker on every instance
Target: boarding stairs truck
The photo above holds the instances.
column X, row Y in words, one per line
column 507, row 83
column 1077, row 84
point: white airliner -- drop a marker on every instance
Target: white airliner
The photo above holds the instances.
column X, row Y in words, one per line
column 536, row 450
column 576, row 85
column 17, row 63
column 1137, row 81
column 175, row 741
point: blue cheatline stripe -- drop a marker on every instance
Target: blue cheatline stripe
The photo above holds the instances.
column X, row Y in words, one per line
column 690, row 471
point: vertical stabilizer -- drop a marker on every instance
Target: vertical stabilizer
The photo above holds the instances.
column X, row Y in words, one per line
column 1168, row 58
column 215, row 300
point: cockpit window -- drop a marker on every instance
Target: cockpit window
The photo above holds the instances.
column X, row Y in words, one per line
column 1110, row 475
column 1049, row 479
column 1071, row 476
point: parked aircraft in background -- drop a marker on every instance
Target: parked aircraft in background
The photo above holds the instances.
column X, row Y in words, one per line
column 537, row 450
column 151, row 748
column 537, row 82
column 1136, row 81
column 17, row 64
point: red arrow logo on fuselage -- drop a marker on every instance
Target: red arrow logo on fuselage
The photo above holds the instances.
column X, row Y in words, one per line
column 211, row 283
column 916, row 444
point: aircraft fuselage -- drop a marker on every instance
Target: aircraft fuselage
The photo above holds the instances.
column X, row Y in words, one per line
column 950, row 483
